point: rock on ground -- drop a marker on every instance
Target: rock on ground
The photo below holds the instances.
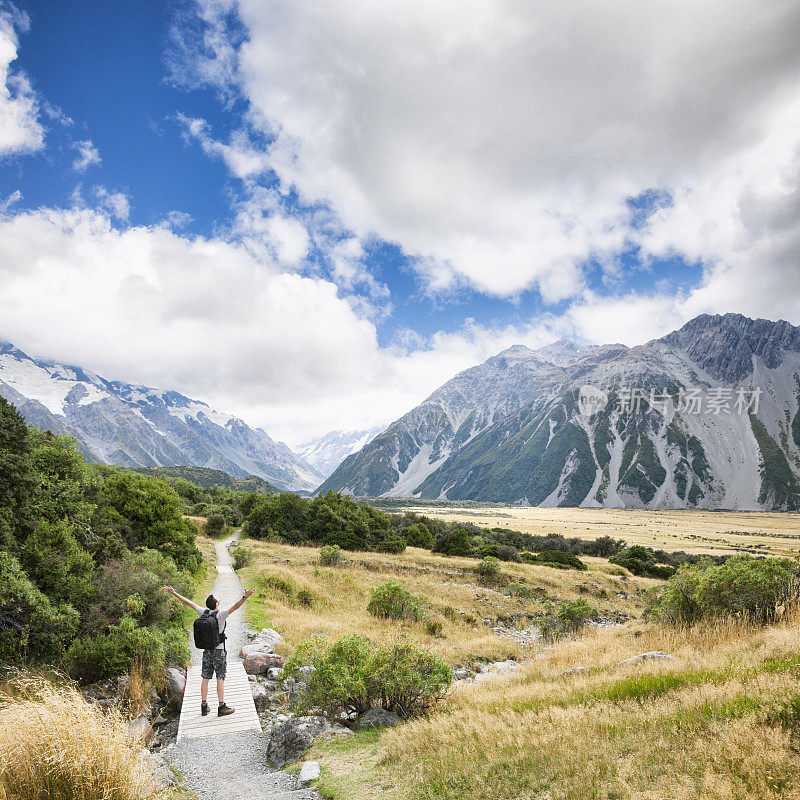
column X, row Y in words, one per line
column 652, row 655
column 377, row 718
column 309, row 773
column 263, row 642
column 259, row 663
column 290, row 739
column 176, row 686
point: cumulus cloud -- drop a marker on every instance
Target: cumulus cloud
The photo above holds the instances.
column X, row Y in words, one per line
column 500, row 142
column 88, row 155
column 20, row 129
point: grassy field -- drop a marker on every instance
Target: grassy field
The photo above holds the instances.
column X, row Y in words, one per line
column 695, row 531
column 298, row 597
column 721, row 722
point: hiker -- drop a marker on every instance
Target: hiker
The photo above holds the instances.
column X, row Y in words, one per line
column 209, row 633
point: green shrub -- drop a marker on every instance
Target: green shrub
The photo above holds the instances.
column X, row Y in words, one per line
column 391, row 600
column 352, row 675
column 305, row 598
column 521, row 590
column 31, row 626
column 242, row 556
column 124, row 646
column 434, row 626
column 280, row 584
column 329, row 555
column 419, row 535
column 641, row 561
column 569, row 618
column 448, row 612
column 470, row 618
column 744, row 587
column 455, row 542
column 489, row 568
column 215, row 526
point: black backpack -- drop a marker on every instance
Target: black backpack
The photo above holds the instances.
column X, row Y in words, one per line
column 206, row 631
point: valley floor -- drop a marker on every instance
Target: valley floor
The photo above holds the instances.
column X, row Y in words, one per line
column 721, row 721
column 695, row 531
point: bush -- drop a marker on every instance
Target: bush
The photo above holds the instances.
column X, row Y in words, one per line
column 280, row 584
column 489, row 568
column 743, row 587
column 53, row 744
column 569, row 618
column 521, row 590
column 215, row 526
column 419, row 535
column 455, row 542
column 391, row 600
column 242, row 556
column 305, row 598
column 124, row 646
column 30, row 624
column 329, row 555
column 352, row 675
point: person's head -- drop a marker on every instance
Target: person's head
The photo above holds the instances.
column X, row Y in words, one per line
column 212, row 602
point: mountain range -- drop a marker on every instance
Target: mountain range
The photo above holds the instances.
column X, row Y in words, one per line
column 705, row 417
column 327, row 452
column 137, row 426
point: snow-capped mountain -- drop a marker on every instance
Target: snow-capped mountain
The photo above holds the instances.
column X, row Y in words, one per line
column 136, row 426
column 327, row 452
column 704, row 417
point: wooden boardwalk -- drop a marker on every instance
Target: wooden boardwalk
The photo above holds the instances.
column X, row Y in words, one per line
column 237, row 695
column 192, row 724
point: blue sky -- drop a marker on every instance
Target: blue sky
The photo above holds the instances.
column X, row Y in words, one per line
column 402, row 191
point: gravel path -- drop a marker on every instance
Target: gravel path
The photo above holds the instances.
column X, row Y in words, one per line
column 234, row 766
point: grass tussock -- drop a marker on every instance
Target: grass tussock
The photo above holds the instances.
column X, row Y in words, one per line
column 720, row 723
column 56, row 746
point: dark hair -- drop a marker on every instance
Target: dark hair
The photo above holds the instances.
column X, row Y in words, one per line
column 211, row 602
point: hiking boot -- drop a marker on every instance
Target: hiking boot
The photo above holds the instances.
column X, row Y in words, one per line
column 204, row 708
column 223, row 710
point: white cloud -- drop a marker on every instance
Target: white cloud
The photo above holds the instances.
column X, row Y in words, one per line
column 88, row 155
column 20, row 129
column 115, row 203
column 499, row 141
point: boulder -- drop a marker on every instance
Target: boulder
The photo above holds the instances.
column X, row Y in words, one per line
column 275, row 673
column 462, row 674
column 309, row 773
column 290, row 739
column 141, row 730
column 260, row 696
column 176, row 686
column 377, row 718
column 571, row 671
column 264, row 642
column 653, row 655
column 259, row 663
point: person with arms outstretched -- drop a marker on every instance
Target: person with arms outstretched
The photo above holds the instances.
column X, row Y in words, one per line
column 210, row 635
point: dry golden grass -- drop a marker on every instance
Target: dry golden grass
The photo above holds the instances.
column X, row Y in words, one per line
column 776, row 533
column 55, row 746
column 721, row 723
column 340, row 596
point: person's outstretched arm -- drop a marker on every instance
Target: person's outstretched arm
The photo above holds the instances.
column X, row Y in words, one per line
column 239, row 602
column 184, row 600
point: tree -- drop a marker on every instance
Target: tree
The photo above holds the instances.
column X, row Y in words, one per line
column 16, row 472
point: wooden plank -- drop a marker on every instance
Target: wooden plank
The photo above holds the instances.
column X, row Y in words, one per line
column 237, row 693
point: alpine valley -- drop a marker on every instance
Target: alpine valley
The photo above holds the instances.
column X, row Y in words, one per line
column 721, row 428
column 136, row 426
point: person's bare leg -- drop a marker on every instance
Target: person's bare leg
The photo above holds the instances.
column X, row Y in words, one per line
column 221, row 690
column 204, row 690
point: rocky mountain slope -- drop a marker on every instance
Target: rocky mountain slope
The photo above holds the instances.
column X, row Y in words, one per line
column 704, row 417
column 136, row 426
column 327, row 452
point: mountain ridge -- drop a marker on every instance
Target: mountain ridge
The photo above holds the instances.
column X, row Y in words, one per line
column 138, row 426
column 526, row 441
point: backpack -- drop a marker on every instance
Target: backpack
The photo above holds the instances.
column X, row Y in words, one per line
column 206, row 631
